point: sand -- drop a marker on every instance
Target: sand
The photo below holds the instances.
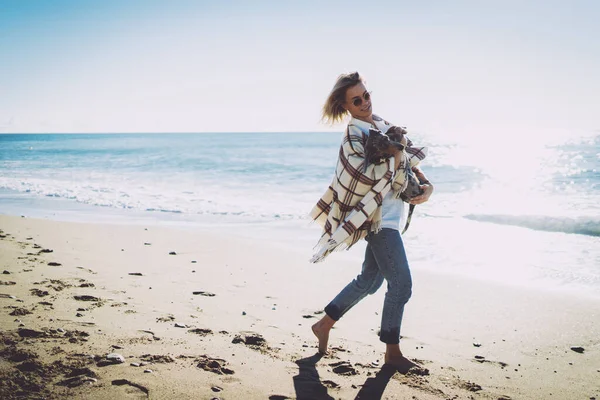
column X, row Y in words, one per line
column 204, row 314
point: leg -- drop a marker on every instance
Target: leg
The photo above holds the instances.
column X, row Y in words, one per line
column 369, row 280
column 388, row 250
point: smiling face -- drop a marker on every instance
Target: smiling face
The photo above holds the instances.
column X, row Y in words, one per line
column 358, row 102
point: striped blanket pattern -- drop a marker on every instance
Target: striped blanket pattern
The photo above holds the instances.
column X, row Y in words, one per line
column 351, row 205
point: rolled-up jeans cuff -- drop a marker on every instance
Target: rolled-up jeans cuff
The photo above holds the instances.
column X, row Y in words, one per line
column 333, row 312
column 390, row 337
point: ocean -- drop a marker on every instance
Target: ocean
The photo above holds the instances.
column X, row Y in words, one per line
column 517, row 214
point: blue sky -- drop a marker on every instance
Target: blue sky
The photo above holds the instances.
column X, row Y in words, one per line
column 460, row 68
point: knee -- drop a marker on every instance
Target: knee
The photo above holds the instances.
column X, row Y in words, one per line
column 402, row 291
column 377, row 282
column 366, row 282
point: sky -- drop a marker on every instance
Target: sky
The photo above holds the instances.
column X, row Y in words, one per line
column 512, row 70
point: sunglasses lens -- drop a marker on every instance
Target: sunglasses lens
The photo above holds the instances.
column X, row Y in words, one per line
column 367, row 96
column 357, row 102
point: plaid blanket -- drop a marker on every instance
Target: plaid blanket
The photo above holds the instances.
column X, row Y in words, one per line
column 351, row 206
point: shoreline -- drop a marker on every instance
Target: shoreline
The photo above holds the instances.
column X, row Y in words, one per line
column 257, row 303
column 298, row 234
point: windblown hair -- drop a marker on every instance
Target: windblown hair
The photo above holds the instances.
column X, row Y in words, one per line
column 333, row 110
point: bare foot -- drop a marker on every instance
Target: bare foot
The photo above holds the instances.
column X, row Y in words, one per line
column 322, row 333
column 404, row 365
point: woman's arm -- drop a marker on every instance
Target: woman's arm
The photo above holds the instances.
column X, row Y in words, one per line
column 420, row 175
column 426, row 186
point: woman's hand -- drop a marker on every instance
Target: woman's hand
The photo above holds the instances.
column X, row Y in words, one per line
column 423, row 197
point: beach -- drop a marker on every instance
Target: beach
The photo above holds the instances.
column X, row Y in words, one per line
column 209, row 313
column 161, row 164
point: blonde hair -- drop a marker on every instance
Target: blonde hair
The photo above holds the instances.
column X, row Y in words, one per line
column 333, row 109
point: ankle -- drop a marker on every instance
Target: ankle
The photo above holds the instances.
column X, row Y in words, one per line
column 325, row 323
column 393, row 351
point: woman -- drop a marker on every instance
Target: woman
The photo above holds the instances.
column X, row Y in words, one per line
column 363, row 202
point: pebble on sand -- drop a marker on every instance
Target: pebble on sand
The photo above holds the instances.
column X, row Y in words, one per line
column 578, row 349
column 115, row 358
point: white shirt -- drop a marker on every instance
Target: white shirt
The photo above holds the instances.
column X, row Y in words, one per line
column 392, row 210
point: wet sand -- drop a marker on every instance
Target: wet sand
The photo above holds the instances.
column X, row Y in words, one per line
column 96, row 311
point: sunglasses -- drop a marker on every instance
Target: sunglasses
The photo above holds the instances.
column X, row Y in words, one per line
column 357, row 102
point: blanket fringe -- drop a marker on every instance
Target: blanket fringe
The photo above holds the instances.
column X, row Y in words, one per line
column 326, row 245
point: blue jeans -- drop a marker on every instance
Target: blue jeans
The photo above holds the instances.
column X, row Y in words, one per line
column 385, row 258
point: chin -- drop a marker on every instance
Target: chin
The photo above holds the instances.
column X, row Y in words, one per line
column 369, row 112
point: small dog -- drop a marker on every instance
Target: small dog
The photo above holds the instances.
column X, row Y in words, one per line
column 380, row 147
column 396, row 133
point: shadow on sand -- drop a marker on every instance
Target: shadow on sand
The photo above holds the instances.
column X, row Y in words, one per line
column 373, row 388
column 307, row 383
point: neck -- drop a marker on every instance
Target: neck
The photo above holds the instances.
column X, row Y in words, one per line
column 368, row 119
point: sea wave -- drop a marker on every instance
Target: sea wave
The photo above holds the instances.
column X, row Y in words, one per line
column 589, row 226
column 165, row 199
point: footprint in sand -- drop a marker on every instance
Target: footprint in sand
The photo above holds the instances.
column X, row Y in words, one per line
column 39, row 292
column 86, row 297
column 252, row 340
column 330, row 384
column 133, row 390
column 468, row 385
column 214, row 365
column 343, row 368
column 157, row 358
column 20, row 311
column 201, row 332
column 482, row 360
column 168, row 318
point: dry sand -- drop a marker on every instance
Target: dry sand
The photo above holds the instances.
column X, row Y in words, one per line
column 229, row 317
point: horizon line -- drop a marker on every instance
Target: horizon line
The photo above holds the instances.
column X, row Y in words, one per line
column 144, row 133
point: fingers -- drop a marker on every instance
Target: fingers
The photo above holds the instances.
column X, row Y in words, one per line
column 422, row 198
column 418, row 200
